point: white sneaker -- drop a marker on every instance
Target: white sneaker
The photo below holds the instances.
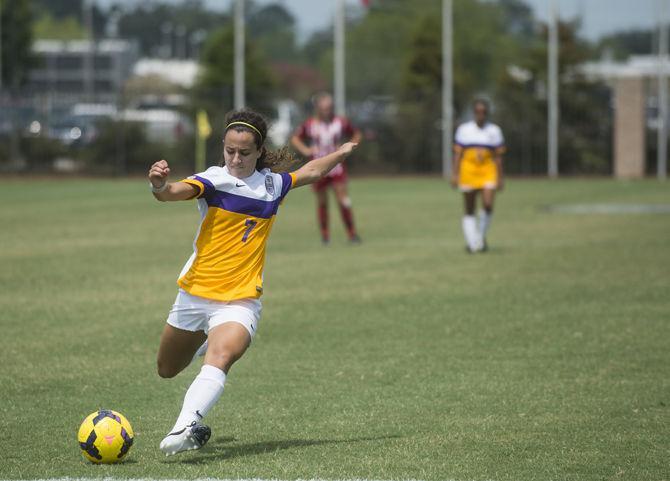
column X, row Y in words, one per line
column 193, row 436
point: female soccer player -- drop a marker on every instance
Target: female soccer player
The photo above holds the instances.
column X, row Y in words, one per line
column 478, row 168
column 319, row 136
column 220, row 285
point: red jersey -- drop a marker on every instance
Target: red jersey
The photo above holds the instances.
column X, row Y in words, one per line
column 326, row 136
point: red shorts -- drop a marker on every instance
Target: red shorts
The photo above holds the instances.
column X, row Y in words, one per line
column 336, row 176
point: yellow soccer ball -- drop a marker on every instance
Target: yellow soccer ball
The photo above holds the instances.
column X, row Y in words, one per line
column 105, row 436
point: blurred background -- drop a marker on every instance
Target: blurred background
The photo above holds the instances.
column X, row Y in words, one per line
column 108, row 86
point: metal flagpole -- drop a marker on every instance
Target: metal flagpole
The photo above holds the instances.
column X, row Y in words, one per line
column 239, row 101
column 447, row 88
column 553, row 110
column 662, row 163
column 339, row 80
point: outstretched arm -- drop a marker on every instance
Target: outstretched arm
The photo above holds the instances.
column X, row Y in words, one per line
column 169, row 191
column 317, row 168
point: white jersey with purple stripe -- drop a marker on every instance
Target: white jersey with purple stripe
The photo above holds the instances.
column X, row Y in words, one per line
column 471, row 135
column 236, row 219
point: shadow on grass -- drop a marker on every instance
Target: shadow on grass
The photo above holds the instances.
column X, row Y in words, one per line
column 229, row 452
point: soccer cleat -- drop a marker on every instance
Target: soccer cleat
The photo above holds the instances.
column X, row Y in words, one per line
column 193, row 436
column 355, row 239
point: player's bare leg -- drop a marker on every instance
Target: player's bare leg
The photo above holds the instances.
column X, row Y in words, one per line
column 176, row 350
column 322, row 214
column 473, row 239
column 344, row 201
column 227, row 342
column 488, row 196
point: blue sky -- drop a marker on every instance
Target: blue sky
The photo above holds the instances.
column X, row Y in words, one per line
column 599, row 17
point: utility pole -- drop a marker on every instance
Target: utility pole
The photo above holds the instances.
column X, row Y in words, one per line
column 553, row 110
column 447, row 88
column 240, row 94
column 340, row 74
column 663, row 61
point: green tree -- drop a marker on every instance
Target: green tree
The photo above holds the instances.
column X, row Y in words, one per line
column 17, row 37
column 272, row 27
column 214, row 87
column 621, row 45
column 65, row 28
column 152, row 24
column 585, row 129
column 60, row 8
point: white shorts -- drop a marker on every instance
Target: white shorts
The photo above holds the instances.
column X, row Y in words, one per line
column 193, row 313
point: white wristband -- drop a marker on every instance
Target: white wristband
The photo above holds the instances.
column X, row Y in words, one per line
column 158, row 190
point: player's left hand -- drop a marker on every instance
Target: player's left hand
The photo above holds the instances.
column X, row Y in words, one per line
column 347, row 148
column 500, row 186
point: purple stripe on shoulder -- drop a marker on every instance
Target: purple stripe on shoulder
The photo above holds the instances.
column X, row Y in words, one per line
column 243, row 205
column 209, row 187
column 286, row 183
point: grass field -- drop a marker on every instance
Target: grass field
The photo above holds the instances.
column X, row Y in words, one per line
column 404, row 358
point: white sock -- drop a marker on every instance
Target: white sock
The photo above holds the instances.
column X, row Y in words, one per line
column 472, row 237
column 484, row 222
column 201, row 396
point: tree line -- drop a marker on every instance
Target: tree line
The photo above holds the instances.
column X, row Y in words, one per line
column 393, row 69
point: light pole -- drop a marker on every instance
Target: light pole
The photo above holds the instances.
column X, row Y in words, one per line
column 553, row 110
column 662, row 147
column 340, row 74
column 239, row 97
column 447, row 88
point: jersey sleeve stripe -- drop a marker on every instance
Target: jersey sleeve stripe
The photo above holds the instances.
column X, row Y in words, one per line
column 196, row 183
column 286, row 183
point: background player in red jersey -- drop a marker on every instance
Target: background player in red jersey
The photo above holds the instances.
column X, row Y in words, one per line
column 321, row 135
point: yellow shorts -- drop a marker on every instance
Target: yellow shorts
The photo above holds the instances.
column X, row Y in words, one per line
column 475, row 175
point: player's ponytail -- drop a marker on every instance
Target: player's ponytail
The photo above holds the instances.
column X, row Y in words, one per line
column 247, row 120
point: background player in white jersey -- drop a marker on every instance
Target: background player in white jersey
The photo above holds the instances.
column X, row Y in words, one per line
column 478, row 169
column 220, row 285
column 321, row 135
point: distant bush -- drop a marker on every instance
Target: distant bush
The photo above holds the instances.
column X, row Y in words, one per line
column 123, row 148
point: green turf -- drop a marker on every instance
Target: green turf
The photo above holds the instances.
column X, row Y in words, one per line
column 404, row 358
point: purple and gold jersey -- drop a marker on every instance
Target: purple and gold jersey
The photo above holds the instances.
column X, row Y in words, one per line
column 236, row 220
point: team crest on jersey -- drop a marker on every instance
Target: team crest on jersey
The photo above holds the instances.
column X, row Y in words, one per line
column 269, row 185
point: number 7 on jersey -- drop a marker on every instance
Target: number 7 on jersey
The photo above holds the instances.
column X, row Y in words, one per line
column 250, row 223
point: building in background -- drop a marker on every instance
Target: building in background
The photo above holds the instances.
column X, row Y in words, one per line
column 76, row 70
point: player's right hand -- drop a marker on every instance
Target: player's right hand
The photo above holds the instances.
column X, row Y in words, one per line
column 453, row 181
column 158, row 173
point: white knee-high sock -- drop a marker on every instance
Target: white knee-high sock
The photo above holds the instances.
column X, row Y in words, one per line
column 201, row 396
column 484, row 222
column 470, row 232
